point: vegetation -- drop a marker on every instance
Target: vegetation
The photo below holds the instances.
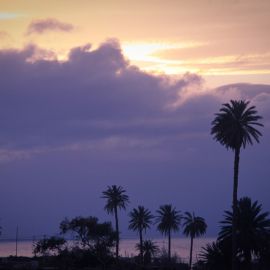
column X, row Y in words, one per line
column 234, row 128
column 97, row 238
column 49, row 246
column 252, row 230
column 149, row 250
column 140, row 219
column 168, row 220
column 253, row 238
column 216, row 255
column 116, row 198
column 194, row 226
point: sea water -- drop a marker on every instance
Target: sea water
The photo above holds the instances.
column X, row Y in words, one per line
column 179, row 247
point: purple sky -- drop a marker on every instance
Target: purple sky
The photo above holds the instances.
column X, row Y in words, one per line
column 70, row 129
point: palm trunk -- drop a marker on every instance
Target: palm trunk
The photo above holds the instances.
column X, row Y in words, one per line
column 247, row 255
column 141, row 245
column 234, row 220
column 169, row 245
column 190, row 254
column 117, row 233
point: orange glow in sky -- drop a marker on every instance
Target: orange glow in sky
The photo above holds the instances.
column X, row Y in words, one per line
column 224, row 41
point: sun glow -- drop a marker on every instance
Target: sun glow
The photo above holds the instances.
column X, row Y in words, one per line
column 149, row 56
column 146, row 56
column 142, row 51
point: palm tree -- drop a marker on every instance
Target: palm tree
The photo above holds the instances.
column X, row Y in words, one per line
column 234, row 128
column 140, row 219
column 168, row 220
column 116, row 199
column 216, row 255
column 252, row 226
column 194, row 226
column 150, row 249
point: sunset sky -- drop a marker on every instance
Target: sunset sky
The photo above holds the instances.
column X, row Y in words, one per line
column 225, row 41
column 95, row 93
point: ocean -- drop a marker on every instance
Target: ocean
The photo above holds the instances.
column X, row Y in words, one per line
column 180, row 247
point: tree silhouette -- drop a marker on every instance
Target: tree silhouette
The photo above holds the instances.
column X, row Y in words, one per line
column 194, row 226
column 49, row 246
column 116, row 199
column 150, row 249
column 140, row 219
column 234, row 128
column 89, row 232
column 168, row 220
column 216, row 255
column 252, row 227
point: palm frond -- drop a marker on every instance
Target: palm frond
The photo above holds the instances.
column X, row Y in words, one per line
column 234, row 125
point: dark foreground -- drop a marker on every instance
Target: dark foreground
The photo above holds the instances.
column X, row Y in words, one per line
column 57, row 263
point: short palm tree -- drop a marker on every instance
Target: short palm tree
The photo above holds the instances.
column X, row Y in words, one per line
column 252, row 226
column 168, row 220
column 234, row 127
column 150, row 249
column 116, row 199
column 216, row 255
column 140, row 219
column 194, row 226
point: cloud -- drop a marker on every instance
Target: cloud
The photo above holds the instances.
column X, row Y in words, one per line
column 96, row 92
column 50, row 24
column 97, row 95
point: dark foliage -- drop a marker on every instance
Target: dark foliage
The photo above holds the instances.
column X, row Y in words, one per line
column 49, row 246
column 252, row 229
column 234, row 125
column 97, row 238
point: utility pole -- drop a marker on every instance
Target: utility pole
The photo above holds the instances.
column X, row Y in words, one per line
column 17, row 233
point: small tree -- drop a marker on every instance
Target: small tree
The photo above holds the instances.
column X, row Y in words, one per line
column 97, row 237
column 149, row 248
column 49, row 246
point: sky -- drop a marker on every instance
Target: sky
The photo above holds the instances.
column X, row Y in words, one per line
column 96, row 93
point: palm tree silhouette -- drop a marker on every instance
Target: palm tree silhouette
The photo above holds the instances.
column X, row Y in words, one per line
column 194, row 226
column 116, row 199
column 140, row 219
column 168, row 220
column 150, row 249
column 252, row 226
column 216, row 255
column 234, row 128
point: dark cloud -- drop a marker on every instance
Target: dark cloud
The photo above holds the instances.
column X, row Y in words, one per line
column 50, row 24
column 69, row 129
column 97, row 92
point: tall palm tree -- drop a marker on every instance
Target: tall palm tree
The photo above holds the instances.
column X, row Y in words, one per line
column 168, row 220
column 253, row 229
column 234, row 128
column 116, row 199
column 194, row 226
column 140, row 219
